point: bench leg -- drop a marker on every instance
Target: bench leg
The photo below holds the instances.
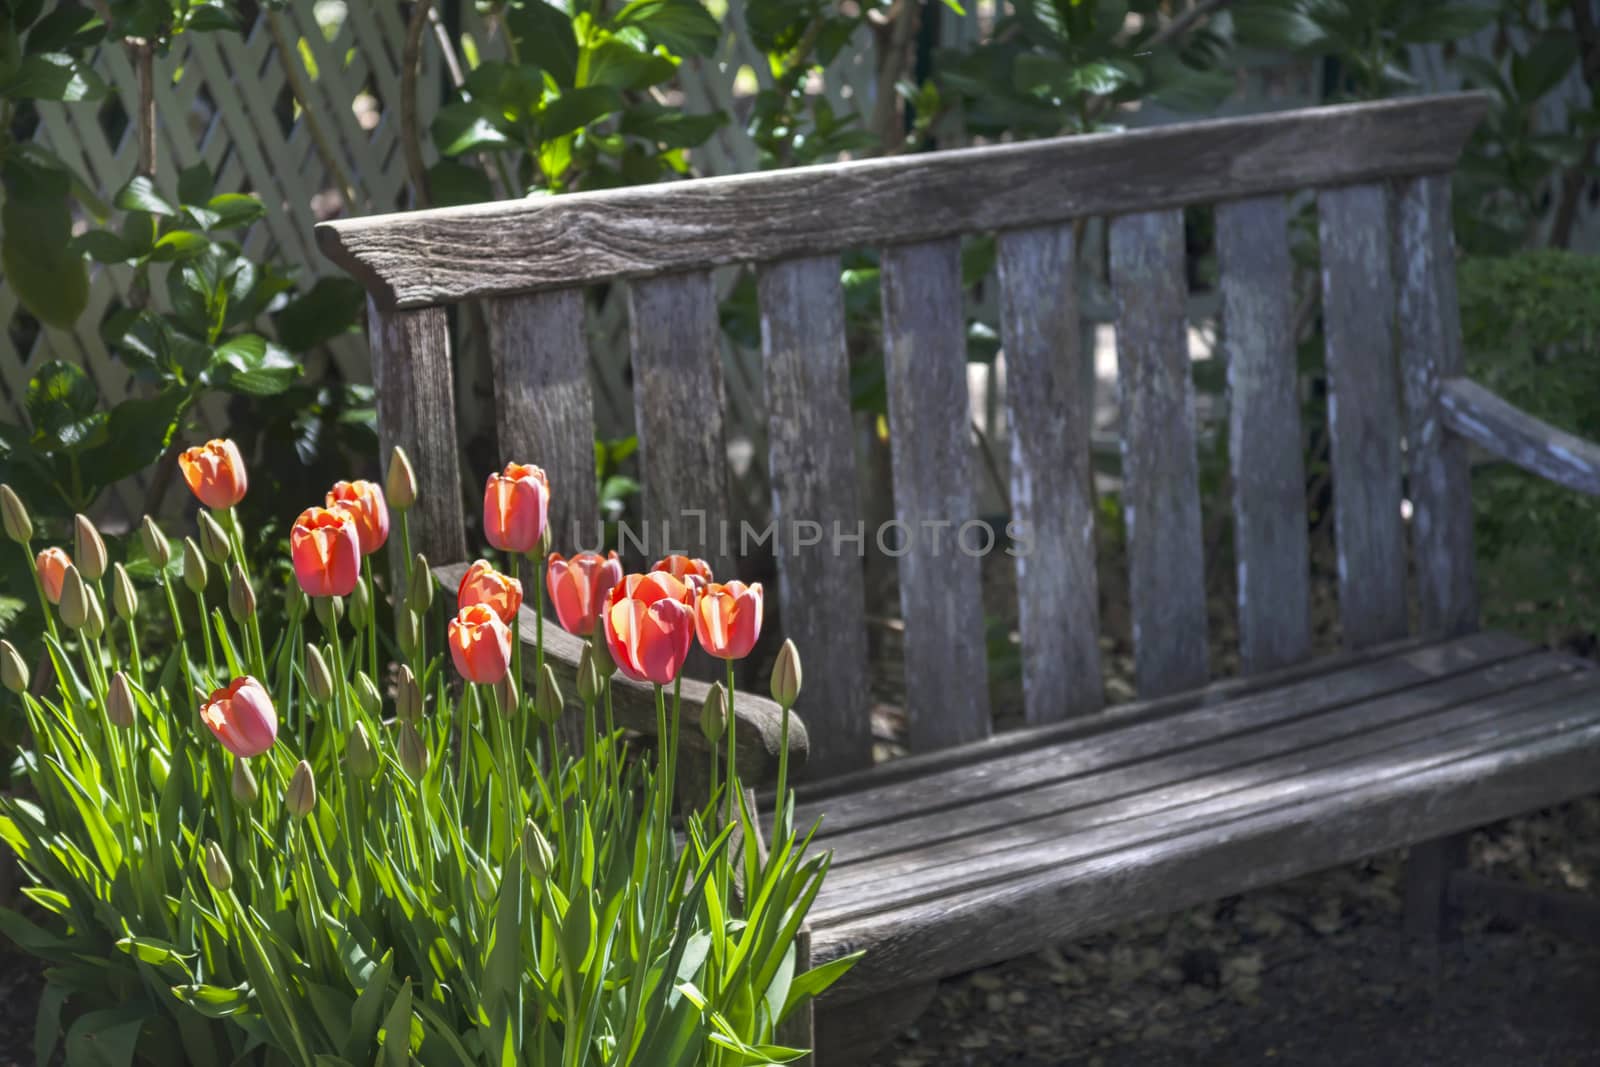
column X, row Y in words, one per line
column 848, row 1034
column 1432, row 918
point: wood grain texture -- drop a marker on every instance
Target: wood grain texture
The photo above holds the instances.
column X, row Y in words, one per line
column 543, row 407
column 677, row 401
column 450, row 254
column 1161, row 494
column 1272, row 555
column 1440, row 484
column 941, row 595
column 1431, row 916
column 1546, row 756
column 1504, row 430
column 760, row 720
column 415, row 395
column 1052, row 485
column 811, row 444
column 1363, row 411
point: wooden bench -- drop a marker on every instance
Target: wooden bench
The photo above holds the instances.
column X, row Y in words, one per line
column 984, row 847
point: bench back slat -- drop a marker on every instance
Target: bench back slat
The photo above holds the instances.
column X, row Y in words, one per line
column 1430, row 347
column 1160, row 471
column 931, row 457
column 1266, row 456
column 414, row 393
column 674, row 332
column 1363, row 411
column 1052, row 484
column 811, row 442
column 543, row 407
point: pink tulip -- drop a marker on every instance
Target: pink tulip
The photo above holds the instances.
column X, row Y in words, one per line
column 480, row 644
column 650, row 626
column 326, row 551
column 516, row 506
column 242, row 717
column 579, row 588
column 215, row 473
column 727, row 618
column 482, row 584
column 364, row 501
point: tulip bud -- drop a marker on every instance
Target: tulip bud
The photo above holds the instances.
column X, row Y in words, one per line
column 413, row 753
column 17, row 524
column 218, row 873
column 604, row 665
column 330, row 609
column 124, row 597
column 212, row 540
column 243, row 786
column 367, row 695
column 302, row 794
column 360, row 607
column 588, row 677
column 786, row 676
column 241, row 596
column 88, row 549
column 419, row 595
column 361, row 755
column 295, row 600
column 319, row 680
column 408, row 696
column 506, row 696
column 536, row 851
column 400, row 488
column 194, row 567
column 155, row 543
column 714, row 714
column 483, row 881
column 13, row 669
column 95, row 624
column 408, row 632
column 119, row 701
column 74, row 606
column 159, row 768
column 547, row 696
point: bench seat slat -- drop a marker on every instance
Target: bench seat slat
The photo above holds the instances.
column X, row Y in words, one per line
column 1050, row 763
column 925, row 358
column 674, row 332
column 1466, row 764
column 1363, row 411
column 811, row 441
column 1160, row 471
column 1020, row 829
column 1265, row 454
column 543, row 405
column 1052, row 484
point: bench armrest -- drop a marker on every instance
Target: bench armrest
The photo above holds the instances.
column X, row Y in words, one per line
column 760, row 721
column 1516, row 436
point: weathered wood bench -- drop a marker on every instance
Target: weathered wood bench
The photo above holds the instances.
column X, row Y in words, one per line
column 982, row 847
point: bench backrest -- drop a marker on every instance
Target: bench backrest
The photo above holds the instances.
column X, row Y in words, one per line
column 1381, row 172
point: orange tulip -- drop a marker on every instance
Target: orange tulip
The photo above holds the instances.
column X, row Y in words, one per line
column 242, row 717
column 579, row 587
column 326, row 551
column 650, row 626
column 480, row 644
column 52, row 566
column 482, row 584
column 364, row 501
column 694, row 573
column 727, row 618
column 215, row 473
column 516, row 506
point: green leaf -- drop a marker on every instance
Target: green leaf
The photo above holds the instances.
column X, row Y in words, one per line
column 194, row 184
column 681, row 26
column 71, row 28
column 330, row 308
column 54, row 76
column 179, row 244
column 1436, row 24
column 576, row 108
column 816, row 981
column 670, row 127
column 139, row 430
column 48, row 276
column 544, row 36
column 234, row 209
column 252, row 365
column 210, row 17
column 140, row 194
column 463, row 126
column 106, row 1038
column 104, row 246
column 453, row 182
column 154, row 951
column 215, row 1002
column 396, row 1034
column 620, row 66
column 47, row 1023
column 61, row 403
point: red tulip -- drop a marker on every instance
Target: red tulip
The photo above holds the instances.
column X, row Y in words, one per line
column 579, row 587
column 52, row 566
column 242, row 717
column 694, row 573
column 650, row 626
column 482, row 584
column 215, row 473
column 480, row 644
column 326, row 551
column 516, row 505
column 364, row 501
column 727, row 618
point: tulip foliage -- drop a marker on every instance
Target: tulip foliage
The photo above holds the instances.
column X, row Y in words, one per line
column 347, row 843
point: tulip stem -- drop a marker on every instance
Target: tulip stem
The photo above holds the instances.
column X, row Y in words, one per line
column 205, row 632
column 253, row 626
column 732, row 736
column 135, row 660
column 372, row 618
column 38, row 587
column 780, row 817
